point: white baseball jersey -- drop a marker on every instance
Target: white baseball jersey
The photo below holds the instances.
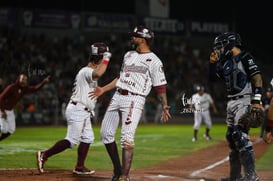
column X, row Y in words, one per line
column 201, row 102
column 83, row 84
column 141, row 71
column 79, row 126
column 201, row 112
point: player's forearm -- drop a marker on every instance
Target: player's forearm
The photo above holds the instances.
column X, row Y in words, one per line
column 257, row 84
column 214, row 107
column 37, row 87
column 163, row 100
column 161, row 93
column 110, row 86
column 99, row 71
column 257, row 80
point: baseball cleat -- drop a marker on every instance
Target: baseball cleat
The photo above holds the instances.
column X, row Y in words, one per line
column 207, row 137
column 40, row 161
column 115, row 177
column 83, row 171
column 124, row 179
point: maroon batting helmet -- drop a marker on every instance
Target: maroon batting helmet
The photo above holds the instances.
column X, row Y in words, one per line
column 143, row 32
column 97, row 50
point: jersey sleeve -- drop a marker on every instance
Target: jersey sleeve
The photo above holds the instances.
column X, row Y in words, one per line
column 210, row 98
column 157, row 73
column 250, row 66
column 31, row 89
column 87, row 73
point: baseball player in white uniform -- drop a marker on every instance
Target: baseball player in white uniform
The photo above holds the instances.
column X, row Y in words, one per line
column 80, row 110
column 141, row 70
column 201, row 102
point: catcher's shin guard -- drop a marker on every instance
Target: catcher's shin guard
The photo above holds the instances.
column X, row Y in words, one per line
column 248, row 162
column 241, row 139
column 235, row 165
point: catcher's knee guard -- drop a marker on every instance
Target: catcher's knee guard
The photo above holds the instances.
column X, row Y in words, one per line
column 241, row 139
column 229, row 138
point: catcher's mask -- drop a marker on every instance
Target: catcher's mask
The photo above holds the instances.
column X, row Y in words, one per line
column 224, row 42
column 143, row 32
column 97, row 50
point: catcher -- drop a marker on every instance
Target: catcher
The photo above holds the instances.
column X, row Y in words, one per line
column 243, row 80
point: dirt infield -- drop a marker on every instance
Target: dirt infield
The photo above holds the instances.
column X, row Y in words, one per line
column 209, row 164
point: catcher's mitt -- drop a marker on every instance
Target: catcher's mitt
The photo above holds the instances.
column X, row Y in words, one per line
column 252, row 118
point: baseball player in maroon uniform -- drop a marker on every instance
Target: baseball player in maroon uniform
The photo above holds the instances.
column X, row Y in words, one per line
column 80, row 110
column 9, row 97
column 141, row 70
column 267, row 133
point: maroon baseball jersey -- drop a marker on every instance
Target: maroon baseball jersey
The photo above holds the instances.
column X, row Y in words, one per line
column 14, row 92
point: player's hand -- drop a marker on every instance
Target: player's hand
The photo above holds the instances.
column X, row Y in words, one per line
column 98, row 91
column 47, row 79
column 213, row 57
column 4, row 115
column 107, row 56
column 165, row 114
column 215, row 111
column 267, row 137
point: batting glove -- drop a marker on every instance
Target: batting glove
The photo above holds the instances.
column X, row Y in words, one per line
column 107, row 56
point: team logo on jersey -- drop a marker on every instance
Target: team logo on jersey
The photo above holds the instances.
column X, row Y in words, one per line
column 250, row 62
column 135, row 68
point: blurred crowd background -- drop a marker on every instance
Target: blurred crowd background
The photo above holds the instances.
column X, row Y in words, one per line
column 39, row 41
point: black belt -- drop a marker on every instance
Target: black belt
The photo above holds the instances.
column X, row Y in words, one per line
column 235, row 97
column 75, row 103
column 126, row 92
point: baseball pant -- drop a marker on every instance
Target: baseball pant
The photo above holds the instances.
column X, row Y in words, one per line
column 8, row 125
column 79, row 128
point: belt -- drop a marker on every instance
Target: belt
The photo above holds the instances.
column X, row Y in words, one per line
column 236, row 97
column 126, row 92
column 75, row 103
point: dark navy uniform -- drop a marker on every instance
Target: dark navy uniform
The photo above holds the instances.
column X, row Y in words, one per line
column 237, row 72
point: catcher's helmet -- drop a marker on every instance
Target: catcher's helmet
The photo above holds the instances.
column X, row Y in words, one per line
column 143, row 32
column 224, row 42
column 97, row 50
